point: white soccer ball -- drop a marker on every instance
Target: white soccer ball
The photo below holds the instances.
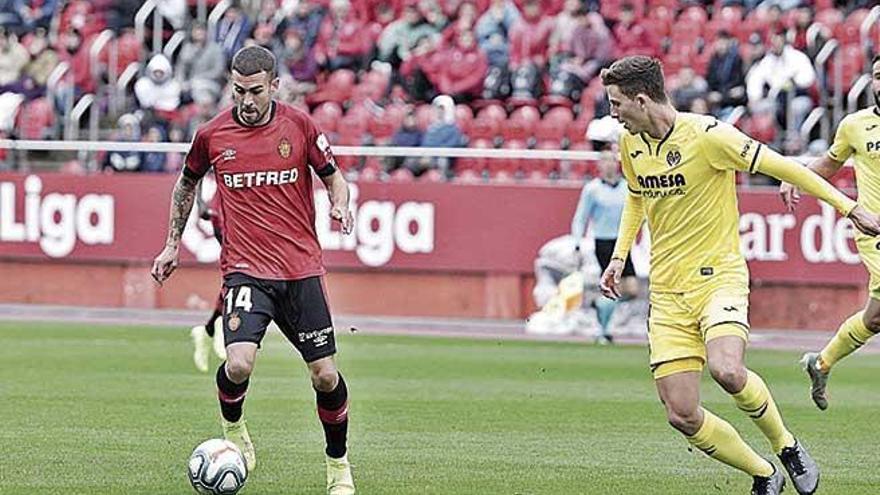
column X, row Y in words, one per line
column 216, row 467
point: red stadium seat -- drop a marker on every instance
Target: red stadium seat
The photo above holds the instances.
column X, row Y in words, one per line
column 483, row 128
column 559, row 114
column 433, row 175
column 551, row 130
column 468, row 176
column 463, row 117
column 401, row 174
column 494, row 112
column 576, row 132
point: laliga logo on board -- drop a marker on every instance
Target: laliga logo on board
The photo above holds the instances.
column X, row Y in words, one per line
column 55, row 220
column 381, row 227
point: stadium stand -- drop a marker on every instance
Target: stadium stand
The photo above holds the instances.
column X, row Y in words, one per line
column 73, row 69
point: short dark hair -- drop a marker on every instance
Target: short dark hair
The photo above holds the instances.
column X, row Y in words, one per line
column 253, row 59
column 637, row 74
column 875, row 60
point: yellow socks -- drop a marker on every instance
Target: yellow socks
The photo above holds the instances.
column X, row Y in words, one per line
column 851, row 335
column 755, row 400
column 717, row 439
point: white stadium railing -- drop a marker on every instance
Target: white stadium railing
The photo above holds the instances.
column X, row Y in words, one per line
column 402, row 151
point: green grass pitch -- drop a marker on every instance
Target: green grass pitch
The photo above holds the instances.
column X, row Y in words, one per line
column 117, row 410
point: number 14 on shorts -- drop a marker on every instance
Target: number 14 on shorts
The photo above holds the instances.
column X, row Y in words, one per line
column 240, row 297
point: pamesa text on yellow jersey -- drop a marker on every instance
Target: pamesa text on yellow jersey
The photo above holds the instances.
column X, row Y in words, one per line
column 687, row 183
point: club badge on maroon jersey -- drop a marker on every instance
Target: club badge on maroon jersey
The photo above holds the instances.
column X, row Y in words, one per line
column 234, row 322
column 284, row 148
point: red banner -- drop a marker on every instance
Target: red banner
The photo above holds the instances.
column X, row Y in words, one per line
column 429, row 226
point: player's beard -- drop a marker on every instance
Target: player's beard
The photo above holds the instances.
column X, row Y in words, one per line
column 877, row 98
column 251, row 118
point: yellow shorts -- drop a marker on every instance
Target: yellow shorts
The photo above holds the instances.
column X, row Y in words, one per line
column 869, row 252
column 680, row 324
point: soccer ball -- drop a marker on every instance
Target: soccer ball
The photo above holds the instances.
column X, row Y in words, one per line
column 216, row 467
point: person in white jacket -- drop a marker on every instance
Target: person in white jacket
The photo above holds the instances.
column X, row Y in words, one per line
column 157, row 89
column 783, row 70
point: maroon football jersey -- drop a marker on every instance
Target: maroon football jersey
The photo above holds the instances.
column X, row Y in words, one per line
column 265, row 188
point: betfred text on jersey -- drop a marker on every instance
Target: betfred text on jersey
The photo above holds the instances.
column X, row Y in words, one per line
column 54, row 220
column 261, row 178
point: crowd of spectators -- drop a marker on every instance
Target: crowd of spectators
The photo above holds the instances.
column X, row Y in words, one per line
column 423, row 72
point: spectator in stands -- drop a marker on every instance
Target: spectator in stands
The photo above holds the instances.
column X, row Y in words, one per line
column 173, row 11
column 753, row 51
column 633, row 38
column 433, row 14
column 687, row 87
column 442, row 133
column 465, row 20
column 206, row 109
column 797, row 33
column 419, row 71
column 120, row 14
column 13, row 58
column 157, row 90
column 128, row 129
column 566, row 22
column 43, row 58
column 298, row 61
column 200, row 63
column 493, row 30
column 699, row 106
column 725, row 77
column 23, row 16
column 410, row 135
column 269, row 14
column 592, row 47
column 154, row 161
column 174, row 161
column 307, row 20
column 341, row 41
column 264, row 36
column 401, row 36
column 529, row 43
column 530, row 37
column 784, row 73
column 232, row 30
column 461, row 69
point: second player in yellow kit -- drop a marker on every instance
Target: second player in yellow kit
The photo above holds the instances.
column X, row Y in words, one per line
column 858, row 137
column 680, row 169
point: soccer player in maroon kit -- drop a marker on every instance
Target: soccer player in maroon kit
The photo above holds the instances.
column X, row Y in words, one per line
column 263, row 153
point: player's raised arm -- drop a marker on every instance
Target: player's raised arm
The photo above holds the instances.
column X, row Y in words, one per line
column 824, row 166
column 182, row 199
column 728, row 148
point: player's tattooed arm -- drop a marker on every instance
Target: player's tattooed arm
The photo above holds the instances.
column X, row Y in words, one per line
column 182, row 200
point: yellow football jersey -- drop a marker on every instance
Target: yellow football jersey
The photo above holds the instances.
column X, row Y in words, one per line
column 858, row 135
column 688, row 186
